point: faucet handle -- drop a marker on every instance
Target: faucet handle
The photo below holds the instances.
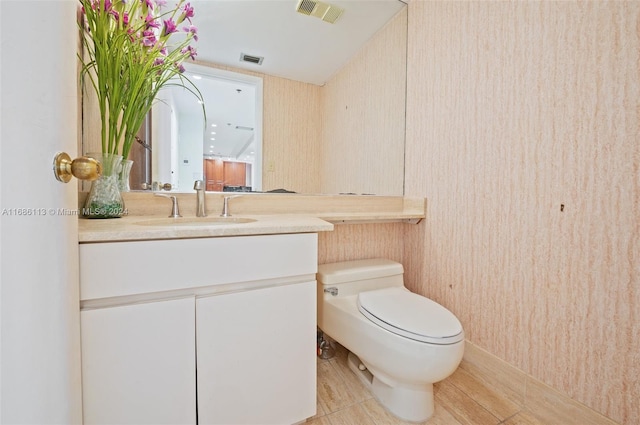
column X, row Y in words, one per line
column 175, row 211
column 201, row 209
column 225, row 205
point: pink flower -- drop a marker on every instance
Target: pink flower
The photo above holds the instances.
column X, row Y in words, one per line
column 192, row 52
column 148, row 38
column 95, row 5
column 188, row 12
column 169, row 27
column 193, row 30
column 151, row 21
column 116, row 16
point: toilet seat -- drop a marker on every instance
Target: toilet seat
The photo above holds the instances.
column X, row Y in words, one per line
column 410, row 315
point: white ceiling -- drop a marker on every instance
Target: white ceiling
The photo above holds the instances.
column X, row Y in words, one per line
column 294, row 46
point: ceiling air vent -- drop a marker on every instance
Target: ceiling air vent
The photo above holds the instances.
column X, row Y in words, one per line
column 325, row 11
column 306, row 6
column 251, row 59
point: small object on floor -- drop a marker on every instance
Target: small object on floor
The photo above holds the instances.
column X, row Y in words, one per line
column 326, row 350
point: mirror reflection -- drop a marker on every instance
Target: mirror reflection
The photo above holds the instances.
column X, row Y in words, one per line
column 329, row 115
column 224, row 147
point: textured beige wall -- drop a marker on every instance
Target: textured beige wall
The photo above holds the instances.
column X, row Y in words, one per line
column 291, row 136
column 359, row 241
column 363, row 110
column 522, row 132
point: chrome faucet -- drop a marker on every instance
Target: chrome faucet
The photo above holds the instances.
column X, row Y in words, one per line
column 175, row 211
column 225, row 206
column 201, row 208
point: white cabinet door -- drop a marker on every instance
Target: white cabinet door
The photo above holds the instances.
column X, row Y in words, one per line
column 138, row 363
column 256, row 356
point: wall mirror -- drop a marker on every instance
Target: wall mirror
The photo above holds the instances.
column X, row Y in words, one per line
column 309, row 131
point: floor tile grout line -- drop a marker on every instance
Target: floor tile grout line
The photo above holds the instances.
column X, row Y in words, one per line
column 509, row 418
column 499, row 421
column 491, row 389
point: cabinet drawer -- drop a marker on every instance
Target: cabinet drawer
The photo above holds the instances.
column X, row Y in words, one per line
column 127, row 268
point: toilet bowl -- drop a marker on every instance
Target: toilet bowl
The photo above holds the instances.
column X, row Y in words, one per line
column 400, row 343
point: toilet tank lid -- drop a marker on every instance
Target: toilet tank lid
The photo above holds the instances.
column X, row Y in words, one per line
column 350, row 271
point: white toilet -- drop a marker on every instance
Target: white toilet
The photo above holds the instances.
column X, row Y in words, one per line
column 400, row 342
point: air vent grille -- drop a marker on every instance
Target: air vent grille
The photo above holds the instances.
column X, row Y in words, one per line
column 332, row 14
column 251, row 59
column 325, row 11
column 306, row 6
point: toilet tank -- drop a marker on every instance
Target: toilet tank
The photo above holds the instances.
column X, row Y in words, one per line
column 352, row 277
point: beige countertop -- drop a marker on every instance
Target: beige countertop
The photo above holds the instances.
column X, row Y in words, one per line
column 272, row 214
column 130, row 228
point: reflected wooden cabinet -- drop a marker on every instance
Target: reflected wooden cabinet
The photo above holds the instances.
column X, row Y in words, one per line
column 235, row 174
column 214, row 174
column 219, row 173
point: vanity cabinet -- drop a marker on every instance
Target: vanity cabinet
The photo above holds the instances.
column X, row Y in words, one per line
column 138, row 363
column 254, row 362
column 226, row 324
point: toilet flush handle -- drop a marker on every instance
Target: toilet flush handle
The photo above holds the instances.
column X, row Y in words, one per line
column 333, row 291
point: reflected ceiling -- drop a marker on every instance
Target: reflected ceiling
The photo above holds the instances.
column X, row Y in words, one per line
column 294, row 46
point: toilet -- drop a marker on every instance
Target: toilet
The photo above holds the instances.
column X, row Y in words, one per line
column 400, row 343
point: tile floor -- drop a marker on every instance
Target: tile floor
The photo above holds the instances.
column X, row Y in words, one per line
column 461, row 399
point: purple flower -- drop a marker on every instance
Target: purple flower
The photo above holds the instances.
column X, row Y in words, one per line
column 149, row 3
column 188, row 12
column 158, row 61
column 161, row 3
column 95, row 5
column 193, row 30
column 169, row 27
column 148, row 38
column 116, row 16
column 163, row 51
column 180, row 67
column 192, row 52
column 151, row 22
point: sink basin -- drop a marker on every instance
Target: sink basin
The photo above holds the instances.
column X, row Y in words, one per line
column 195, row 221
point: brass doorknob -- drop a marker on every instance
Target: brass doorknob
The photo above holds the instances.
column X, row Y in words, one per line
column 83, row 168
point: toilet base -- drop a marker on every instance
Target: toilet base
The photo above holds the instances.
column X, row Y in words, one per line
column 408, row 404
